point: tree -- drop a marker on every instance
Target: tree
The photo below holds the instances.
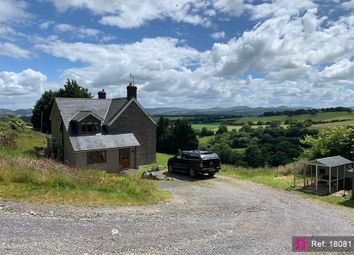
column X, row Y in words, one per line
column 41, row 112
column 330, row 142
column 253, row 156
column 42, row 109
column 206, row 132
column 222, row 129
column 183, row 136
column 226, row 154
column 177, row 136
column 162, row 130
column 72, row 89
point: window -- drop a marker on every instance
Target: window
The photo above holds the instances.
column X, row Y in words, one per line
column 96, row 157
column 90, row 127
column 125, row 154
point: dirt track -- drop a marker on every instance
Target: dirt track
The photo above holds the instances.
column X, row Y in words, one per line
column 210, row 216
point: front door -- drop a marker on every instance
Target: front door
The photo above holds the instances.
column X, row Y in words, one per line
column 124, row 158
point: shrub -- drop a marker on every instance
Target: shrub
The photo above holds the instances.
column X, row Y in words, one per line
column 8, row 140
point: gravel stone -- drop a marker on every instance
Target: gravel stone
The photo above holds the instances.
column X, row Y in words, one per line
column 218, row 215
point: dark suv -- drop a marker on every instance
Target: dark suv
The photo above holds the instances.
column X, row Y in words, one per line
column 194, row 162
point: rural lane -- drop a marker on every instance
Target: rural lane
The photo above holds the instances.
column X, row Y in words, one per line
column 220, row 215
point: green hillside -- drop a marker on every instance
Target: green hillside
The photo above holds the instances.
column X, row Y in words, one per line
column 322, row 116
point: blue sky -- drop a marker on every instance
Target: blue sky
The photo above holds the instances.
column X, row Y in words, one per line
column 195, row 54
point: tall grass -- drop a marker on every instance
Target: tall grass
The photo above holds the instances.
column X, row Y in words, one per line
column 25, row 144
column 33, row 179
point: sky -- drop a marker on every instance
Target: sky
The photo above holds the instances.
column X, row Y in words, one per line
column 182, row 53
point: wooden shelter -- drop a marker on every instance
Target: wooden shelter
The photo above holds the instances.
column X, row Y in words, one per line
column 331, row 170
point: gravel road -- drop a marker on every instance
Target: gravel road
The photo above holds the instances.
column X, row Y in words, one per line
column 221, row 215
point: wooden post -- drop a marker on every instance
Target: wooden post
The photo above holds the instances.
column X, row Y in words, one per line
column 311, row 176
column 353, row 178
column 330, row 180
column 345, row 169
column 316, row 176
column 337, row 177
column 304, row 176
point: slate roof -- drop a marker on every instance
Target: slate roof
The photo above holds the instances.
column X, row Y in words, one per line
column 105, row 110
column 116, row 105
column 98, row 142
column 331, row 161
column 83, row 114
column 69, row 107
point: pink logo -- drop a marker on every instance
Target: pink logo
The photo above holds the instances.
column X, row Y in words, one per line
column 301, row 244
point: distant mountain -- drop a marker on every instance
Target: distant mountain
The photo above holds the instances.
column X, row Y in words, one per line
column 227, row 111
column 19, row 112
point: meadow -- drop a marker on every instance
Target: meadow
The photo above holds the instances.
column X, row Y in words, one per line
column 338, row 118
column 322, row 116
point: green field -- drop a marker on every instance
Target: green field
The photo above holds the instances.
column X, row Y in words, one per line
column 348, row 119
column 322, row 116
column 334, row 124
column 215, row 126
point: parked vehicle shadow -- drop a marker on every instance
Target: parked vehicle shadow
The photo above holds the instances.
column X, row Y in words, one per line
column 184, row 177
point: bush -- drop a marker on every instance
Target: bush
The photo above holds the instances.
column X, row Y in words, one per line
column 330, row 142
column 222, row 129
column 8, row 140
column 206, row 132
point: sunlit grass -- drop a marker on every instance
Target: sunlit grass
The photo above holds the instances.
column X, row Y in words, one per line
column 25, row 144
column 23, row 176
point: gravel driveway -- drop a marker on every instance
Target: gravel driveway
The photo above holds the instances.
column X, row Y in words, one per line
column 221, row 215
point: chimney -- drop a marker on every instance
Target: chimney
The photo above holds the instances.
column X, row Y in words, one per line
column 102, row 94
column 131, row 91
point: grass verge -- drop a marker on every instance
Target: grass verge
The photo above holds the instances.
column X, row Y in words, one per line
column 25, row 177
column 277, row 178
column 46, row 180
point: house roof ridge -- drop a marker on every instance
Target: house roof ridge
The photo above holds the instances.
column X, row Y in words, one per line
column 82, row 98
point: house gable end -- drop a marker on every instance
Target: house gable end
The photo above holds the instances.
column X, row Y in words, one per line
column 55, row 106
column 129, row 104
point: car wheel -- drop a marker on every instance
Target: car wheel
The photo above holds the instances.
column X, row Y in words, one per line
column 170, row 169
column 211, row 174
column 192, row 173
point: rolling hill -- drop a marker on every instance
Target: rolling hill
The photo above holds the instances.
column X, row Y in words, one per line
column 227, row 111
column 19, row 112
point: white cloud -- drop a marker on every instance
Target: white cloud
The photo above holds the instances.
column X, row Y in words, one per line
column 348, row 4
column 129, row 14
column 80, row 32
column 282, row 44
column 218, row 35
column 234, row 7
column 46, row 24
column 27, row 82
column 9, row 33
column 341, row 70
column 12, row 10
column 21, row 90
column 279, row 8
column 12, row 50
column 297, row 54
column 110, row 65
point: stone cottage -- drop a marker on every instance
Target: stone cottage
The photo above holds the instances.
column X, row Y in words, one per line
column 110, row 134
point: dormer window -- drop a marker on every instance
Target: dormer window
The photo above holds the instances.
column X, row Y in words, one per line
column 90, row 127
column 87, row 123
